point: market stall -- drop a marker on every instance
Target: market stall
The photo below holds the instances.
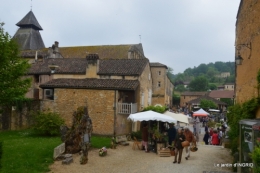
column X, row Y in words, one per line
column 201, row 113
column 155, row 125
column 183, row 119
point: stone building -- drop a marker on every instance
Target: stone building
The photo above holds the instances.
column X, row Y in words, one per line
column 188, row 96
column 162, row 86
column 112, row 89
column 247, row 47
column 113, row 80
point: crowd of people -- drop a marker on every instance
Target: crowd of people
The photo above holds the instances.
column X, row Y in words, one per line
column 214, row 136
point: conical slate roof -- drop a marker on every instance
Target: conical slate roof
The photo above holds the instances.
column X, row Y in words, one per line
column 28, row 35
column 29, row 21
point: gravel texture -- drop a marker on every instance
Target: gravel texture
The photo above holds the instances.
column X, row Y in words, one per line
column 126, row 160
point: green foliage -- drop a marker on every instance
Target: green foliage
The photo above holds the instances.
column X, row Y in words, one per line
column 212, row 86
column 247, row 110
column 207, row 104
column 211, row 124
column 180, row 88
column 23, row 151
column 228, row 101
column 12, row 69
column 100, row 141
column 137, row 134
column 1, row 153
column 199, row 84
column 27, row 152
column 256, row 157
column 209, row 71
column 160, row 109
column 47, row 123
column 176, row 99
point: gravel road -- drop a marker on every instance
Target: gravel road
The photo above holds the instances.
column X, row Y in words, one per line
column 126, row 160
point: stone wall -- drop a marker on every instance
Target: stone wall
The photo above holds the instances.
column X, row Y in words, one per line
column 145, row 86
column 247, row 31
column 185, row 99
column 159, row 93
column 100, row 106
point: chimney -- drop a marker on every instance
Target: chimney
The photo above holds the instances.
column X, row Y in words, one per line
column 93, row 65
column 56, row 44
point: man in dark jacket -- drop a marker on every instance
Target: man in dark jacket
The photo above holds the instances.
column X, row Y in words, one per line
column 171, row 134
column 178, row 146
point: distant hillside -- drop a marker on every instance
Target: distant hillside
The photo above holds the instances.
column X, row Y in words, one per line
column 211, row 72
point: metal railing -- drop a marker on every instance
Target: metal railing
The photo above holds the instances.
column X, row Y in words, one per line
column 127, row 108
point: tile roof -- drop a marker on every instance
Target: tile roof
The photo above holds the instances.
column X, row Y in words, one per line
column 29, row 20
column 66, row 66
column 29, row 39
column 222, row 94
column 197, row 100
column 92, row 83
column 157, row 64
column 125, row 67
column 104, row 51
column 188, row 93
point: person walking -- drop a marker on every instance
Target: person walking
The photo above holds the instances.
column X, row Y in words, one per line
column 145, row 137
column 206, row 138
column 171, row 134
column 220, row 135
column 215, row 140
column 189, row 137
column 178, row 146
column 211, row 131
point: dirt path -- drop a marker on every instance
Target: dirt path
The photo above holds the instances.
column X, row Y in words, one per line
column 125, row 160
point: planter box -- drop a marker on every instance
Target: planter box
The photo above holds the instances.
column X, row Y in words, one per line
column 165, row 152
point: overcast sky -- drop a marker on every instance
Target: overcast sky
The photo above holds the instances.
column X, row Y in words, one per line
column 177, row 33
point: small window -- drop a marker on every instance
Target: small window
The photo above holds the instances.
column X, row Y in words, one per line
column 159, row 84
column 36, row 78
column 159, row 72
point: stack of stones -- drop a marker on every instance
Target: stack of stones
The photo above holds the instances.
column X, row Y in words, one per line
column 67, row 159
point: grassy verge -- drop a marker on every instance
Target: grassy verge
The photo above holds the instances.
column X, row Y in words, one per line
column 26, row 152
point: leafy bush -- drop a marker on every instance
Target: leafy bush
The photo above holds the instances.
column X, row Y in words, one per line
column 136, row 134
column 211, row 124
column 236, row 113
column 1, row 153
column 47, row 123
column 160, row 109
column 256, row 157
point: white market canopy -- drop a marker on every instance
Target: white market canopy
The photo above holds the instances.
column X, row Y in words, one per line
column 179, row 117
column 214, row 110
column 151, row 115
column 200, row 112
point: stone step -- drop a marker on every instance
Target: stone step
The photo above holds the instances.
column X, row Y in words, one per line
column 67, row 161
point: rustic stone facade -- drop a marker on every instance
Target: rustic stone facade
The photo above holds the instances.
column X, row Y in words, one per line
column 188, row 96
column 162, row 87
column 247, row 33
column 100, row 106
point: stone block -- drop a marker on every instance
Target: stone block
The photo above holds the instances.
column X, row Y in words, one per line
column 59, row 150
column 67, row 161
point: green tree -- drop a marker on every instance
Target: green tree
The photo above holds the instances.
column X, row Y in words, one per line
column 207, row 104
column 13, row 85
column 199, row 84
column 175, row 99
column 212, row 86
column 180, row 88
